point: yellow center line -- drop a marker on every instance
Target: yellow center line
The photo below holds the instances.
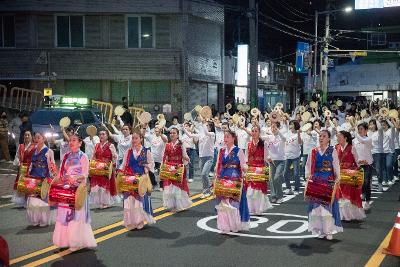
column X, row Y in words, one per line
column 106, row 237
column 97, row 231
column 377, row 258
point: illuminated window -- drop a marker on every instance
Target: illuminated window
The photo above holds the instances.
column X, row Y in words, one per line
column 139, row 32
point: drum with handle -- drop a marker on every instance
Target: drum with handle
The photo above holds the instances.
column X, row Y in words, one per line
column 352, row 177
column 172, row 172
column 100, row 168
column 139, row 184
column 228, row 188
column 30, row 186
column 257, row 174
column 320, row 191
column 73, row 195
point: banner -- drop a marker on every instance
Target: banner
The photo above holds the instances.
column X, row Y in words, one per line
column 302, row 57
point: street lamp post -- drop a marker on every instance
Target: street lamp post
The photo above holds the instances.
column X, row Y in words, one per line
column 325, row 60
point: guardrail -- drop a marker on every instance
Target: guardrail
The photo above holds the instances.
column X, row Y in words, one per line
column 3, row 95
column 135, row 112
column 106, row 108
column 25, row 99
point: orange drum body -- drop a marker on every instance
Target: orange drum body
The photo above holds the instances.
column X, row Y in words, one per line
column 128, row 183
column 352, row 177
column 172, row 172
column 228, row 188
column 100, row 168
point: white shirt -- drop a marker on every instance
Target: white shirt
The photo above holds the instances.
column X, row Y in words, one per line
column 219, row 138
column 309, row 141
column 123, row 144
column 293, row 147
column 389, row 140
column 275, row 146
column 206, row 141
column 157, row 147
column 242, row 138
column 90, row 145
column 64, row 148
column 363, row 146
column 189, row 142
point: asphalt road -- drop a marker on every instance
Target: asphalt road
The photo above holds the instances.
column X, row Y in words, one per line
column 190, row 238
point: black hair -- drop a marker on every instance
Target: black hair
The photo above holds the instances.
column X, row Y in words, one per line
column 177, row 131
column 347, row 136
column 363, row 125
column 212, row 126
column 296, row 124
column 175, row 117
column 233, row 134
column 374, row 123
column 277, row 123
column 326, row 131
column 320, row 123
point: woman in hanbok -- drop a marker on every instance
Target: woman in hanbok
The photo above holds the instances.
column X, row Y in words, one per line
column 349, row 196
column 232, row 216
column 323, row 166
column 23, row 158
column 103, row 191
column 256, row 192
column 176, row 194
column 137, row 161
column 42, row 166
column 73, row 229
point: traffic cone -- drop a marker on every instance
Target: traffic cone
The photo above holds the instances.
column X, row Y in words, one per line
column 394, row 244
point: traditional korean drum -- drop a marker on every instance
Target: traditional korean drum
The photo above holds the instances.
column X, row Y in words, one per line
column 257, row 174
column 73, row 195
column 100, row 168
column 30, row 186
column 128, row 183
column 228, row 188
column 320, row 191
column 352, row 177
column 172, row 172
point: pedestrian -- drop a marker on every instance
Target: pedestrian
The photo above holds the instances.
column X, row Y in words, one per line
column 90, row 142
column 158, row 142
column 292, row 156
column 137, row 161
column 62, row 144
column 376, row 134
column 73, row 229
column 4, row 138
column 26, row 125
column 176, row 194
column 123, row 139
column 389, row 132
column 323, row 166
column 190, row 145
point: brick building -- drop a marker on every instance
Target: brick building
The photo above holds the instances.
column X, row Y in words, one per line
column 155, row 52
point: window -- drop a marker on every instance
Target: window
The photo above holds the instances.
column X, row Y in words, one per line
column 7, row 34
column 140, row 32
column 70, row 31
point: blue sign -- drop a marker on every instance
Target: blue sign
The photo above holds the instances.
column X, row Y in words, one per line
column 302, row 57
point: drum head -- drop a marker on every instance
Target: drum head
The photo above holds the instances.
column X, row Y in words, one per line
column 119, row 110
column 91, row 130
column 143, row 184
column 80, row 196
column 44, row 190
column 65, row 122
column 206, row 112
column 119, row 182
column 145, row 117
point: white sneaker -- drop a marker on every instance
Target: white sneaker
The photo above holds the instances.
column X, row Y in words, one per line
column 396, row 178
column 279, row 201
column 329, row 237
column 321, row 236
column 190, row 180
column 384, row 183
column 296, row 193
column 287, row 192
column 366, row 205
column 390, row 183
column 211, row 174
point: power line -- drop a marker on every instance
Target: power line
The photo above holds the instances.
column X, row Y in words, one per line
column 286, row 18
column 286, row 32
column 290, row 9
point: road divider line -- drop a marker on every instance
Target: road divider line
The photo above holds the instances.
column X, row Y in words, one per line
column 108, row 236
column 377, row 258
column 95, row 232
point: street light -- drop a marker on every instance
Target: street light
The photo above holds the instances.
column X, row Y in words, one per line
column 324, row 81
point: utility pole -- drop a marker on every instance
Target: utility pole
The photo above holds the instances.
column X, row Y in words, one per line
column 315, row 53
column 253, row 51
column 325, row 57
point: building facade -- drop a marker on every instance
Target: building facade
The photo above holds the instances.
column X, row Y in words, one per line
column 153, row 52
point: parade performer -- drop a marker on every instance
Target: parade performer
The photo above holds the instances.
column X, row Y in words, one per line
column 138, row 161
column 376, row 134
column 103, row 190
column 23, row 158
column 175, row 194
column 158, row 143
column 123, row 139
column 232, row 215
column 363, row 146
column 292, row 155
column 73, row 229
column 190, row 145
column 256, row 192
column 42, row 165
column 323, row 165
column 206, row 139
column 349, row 196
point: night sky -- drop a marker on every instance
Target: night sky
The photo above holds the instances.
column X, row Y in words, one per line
column 299, row 14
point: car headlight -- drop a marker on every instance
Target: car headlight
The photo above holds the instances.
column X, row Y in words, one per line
column 49, row 135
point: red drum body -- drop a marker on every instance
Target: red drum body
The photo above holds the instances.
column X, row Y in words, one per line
column 320, row 191
column 62, row 194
